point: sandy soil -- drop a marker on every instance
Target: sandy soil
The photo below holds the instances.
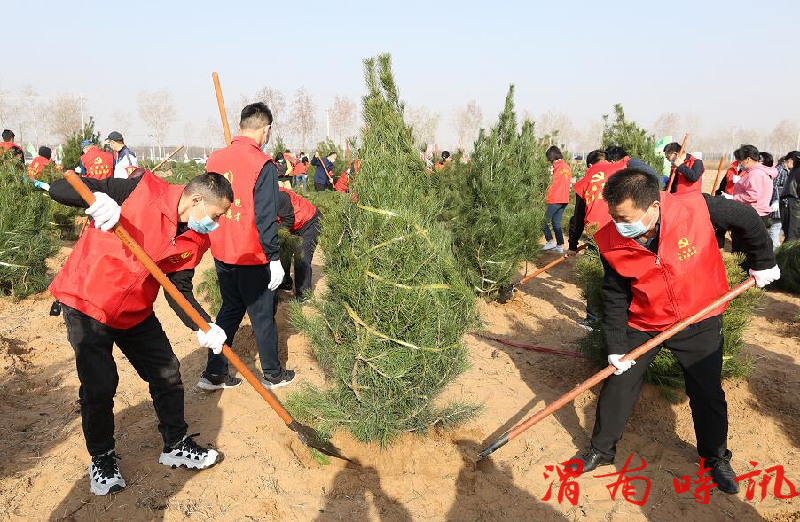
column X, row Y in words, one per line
column 268, row 475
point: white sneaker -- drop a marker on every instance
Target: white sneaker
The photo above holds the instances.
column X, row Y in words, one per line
column 189, row 454
column 550, row 245
column 560, row 249
column 104, row 475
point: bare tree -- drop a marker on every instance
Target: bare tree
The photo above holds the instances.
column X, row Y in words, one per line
column 667, row 124
column 468, row 121
column 277, row 104
column 33, row 109
column 212, row 136
column 423, row 124
column 303, row 120
column 157, row 109
column 64, row 116
column 558, row 126
column 343, row 117
column 783, row 137
column 122, row 121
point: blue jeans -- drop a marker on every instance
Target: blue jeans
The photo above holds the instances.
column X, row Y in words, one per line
column 301, row 178
column 554, row 214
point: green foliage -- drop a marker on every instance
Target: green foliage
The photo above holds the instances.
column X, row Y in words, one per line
column 618, row 130
column 495, row 203
column 788, row 257
column 25, row 239
column 388, row 331
column 73, row 150
column 182, row 173
column 209, row 289
column 665, row 371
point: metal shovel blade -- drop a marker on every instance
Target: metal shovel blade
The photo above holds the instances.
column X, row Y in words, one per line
column 311, row 438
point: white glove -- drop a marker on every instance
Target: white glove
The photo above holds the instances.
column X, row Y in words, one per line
column 214, row 338
column 621, row 366
column 765, row 277
column 78, row 170
column 41, row 185
column 276, row 274
column 105, row 211
column 736, row 178
column 727, row 196
column 775, row 206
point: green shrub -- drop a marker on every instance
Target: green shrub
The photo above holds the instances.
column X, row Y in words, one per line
column 788, row 257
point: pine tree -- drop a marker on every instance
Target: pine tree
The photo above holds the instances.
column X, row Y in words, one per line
column 73, row 150
column 637, row 142
column 496, row 203
column 665, row 371
column 788, row 257
column 388, row 330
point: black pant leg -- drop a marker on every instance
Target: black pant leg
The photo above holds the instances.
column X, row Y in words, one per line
column 261, row 305
column 618, row 396
column 93, row 343
column 698, row 349
column 148, row 349
column 230, row 315
column 302, row 263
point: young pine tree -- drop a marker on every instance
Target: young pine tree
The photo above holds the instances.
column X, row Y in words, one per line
column 637, row 142
column 388, row 330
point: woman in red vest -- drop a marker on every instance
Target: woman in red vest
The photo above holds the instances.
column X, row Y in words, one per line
column 39, row 162
column 557, row 199
column 301, row 218
column 661, row 265
column 687, row 169
column 107, row 298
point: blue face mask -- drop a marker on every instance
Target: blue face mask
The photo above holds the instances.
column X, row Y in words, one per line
column 635, row 229
column 205, row 225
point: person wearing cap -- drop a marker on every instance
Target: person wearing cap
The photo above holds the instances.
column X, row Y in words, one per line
column 95, row 163
column 39, row 162
column 125, row 160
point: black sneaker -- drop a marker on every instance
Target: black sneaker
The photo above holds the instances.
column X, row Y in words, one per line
column 104, row 475
column 283, row 378
column 211, row 382
column 188, row 453
column 287, row 284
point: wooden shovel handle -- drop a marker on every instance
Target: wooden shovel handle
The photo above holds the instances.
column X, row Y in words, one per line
column 84, row 192
column 718, row 179
column 549, row 265
column 221, row 103
column 161, row 164
column 675, row 170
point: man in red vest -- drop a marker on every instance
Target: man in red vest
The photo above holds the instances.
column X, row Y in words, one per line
column 107, row 298
column 95, row 163
column 686, row 169
column 8, row 144
column 301, row 218
column 246, row 250
column 661, row 265
column 39, row 162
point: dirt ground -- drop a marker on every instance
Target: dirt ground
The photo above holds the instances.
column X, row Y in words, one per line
column 268, row 475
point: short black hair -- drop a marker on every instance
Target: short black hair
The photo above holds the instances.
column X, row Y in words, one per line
column 672, row 147
column 8, row 135
column 305, row 159
column 596, row 156
column 615, row 152
column 278, row 156
column 766, row 159
column 211, row 185
column 553, row 153
column 749, row 151
column 737, row 154
column 287, row 150
column 255, row 116
column 445, row 154
column 331, row 153
column 634, row 184
column 45, row 152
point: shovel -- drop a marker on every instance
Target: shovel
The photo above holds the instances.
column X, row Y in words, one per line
column 675, row 170
column 507, row 293
column 306, row 434
column 718, row 179
column 601, row 375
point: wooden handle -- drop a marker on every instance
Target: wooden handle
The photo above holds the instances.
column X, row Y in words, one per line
column 718, row 179
column 638, row 352
column 167, row 159
column 84, row 192
column 675, row 169
column 221, row 103
column 549, row 265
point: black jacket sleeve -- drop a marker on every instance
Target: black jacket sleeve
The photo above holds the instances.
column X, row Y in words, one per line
column 743, row 221
column 117, row 188
column 692, row 174
column 265, row 205
column 577, row 223
column 183, row 282
column 617, row 297
column 285, row 210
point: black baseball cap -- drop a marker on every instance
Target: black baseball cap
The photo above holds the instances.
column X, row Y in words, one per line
column 116, row 136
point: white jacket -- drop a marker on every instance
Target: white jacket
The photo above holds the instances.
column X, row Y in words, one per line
column 124, row 159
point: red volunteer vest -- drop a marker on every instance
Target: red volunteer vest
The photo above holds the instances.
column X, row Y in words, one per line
column 685, row 276
column 733, row 170
column 590, row 188
column 98, row 164
column 683, row 185
column 558, row 191
column 342, row 182
column 300, row 168
column 303, row 209
column 102, row 279
column 36, row 166
column 236, row 240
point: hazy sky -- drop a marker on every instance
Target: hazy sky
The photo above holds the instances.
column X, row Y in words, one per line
column 732, row 62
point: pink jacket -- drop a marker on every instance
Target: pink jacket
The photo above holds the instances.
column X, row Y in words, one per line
column 755, row 188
